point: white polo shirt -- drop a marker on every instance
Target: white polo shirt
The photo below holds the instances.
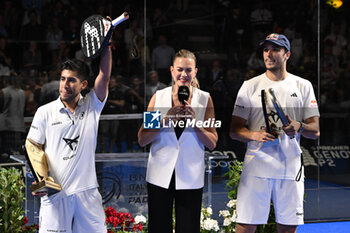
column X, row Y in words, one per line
column 69, row 141
column 297, row 98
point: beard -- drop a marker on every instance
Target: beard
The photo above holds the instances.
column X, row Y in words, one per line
column 276, row 67
column 69, row 98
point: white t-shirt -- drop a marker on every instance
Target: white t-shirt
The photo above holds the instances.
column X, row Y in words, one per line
column 297, row 98
column 69, row 141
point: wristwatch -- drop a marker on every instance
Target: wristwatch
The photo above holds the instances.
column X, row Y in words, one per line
column 302, row 126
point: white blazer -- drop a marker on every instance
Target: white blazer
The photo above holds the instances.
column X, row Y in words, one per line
column 185, row 155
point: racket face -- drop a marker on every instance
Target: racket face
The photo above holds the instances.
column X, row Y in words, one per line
column 280, row 112
column 278, row 107
column 93, row 33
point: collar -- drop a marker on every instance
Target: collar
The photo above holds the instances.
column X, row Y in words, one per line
column 61, row 106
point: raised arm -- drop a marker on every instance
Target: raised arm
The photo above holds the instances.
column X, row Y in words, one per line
column 102, row 79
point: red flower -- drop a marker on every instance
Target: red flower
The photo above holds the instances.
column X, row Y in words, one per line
column 24, row 221
column 123, row 220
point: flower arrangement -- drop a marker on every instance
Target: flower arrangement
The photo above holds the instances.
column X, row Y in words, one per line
column 30, row 228
column 229, row 216
column 123, row 222
column 208, row 225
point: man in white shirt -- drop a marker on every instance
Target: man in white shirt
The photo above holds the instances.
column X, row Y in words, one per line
column 270, row 169
column 66, row 129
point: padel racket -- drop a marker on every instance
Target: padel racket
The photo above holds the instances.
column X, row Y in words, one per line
column 283, row 118
column 263, row 103
column 95, row 33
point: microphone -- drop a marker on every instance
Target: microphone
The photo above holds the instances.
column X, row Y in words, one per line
column 183, row 94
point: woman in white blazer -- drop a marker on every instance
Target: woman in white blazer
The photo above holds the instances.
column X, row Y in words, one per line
column 175, row 170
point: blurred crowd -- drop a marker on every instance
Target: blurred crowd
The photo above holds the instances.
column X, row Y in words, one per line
column 36, row 36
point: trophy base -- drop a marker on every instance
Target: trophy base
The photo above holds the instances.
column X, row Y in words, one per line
column 46, row 186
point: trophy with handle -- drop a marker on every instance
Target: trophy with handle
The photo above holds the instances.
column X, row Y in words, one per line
column 36, row 158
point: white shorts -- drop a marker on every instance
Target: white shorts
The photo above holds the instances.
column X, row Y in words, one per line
column 254, row 198
column 81, row 212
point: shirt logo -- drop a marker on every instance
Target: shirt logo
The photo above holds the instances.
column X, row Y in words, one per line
column 81, row 115
column 72, row 143
column 294, row 95
column 313, row 103
column 151, row 120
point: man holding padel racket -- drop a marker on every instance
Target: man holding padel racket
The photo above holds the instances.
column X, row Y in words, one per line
column 271, row 113
column 66, row 130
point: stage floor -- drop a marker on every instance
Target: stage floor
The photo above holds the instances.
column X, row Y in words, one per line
column 327, row 227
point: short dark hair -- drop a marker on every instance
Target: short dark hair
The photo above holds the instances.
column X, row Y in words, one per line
column 82, row 68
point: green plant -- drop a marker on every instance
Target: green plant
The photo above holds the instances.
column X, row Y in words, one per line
column 11, row 200
column 234, row 175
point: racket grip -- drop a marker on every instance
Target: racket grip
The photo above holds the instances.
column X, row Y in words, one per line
column 296, row 145
column 120, row 19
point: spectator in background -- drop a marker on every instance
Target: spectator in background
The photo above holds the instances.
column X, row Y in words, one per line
column 297, row 44
column 32, row 58
column 31, row 103
column 12, row 105
column 214, row 84
column 3, row 31
column 119, row 53
column 159, row 19
column 261, row 21
column 53, row 36
column 5, row 58
column 255, row 61
column 12, row 18
column 130, row 33
column 213, row 77
column 139, row 59
column 32, row 30
column 136, row 99
column 135, row 105
column 337, row 39
column 116, row 104
column 50, row 90
column 71, row 35
column 236, row 35
column 64, row 52
column 162, row 59
column 153, row 85
column 290, row 31
column 328, row 58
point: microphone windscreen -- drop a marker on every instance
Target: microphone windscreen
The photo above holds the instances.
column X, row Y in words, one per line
column 183, row 94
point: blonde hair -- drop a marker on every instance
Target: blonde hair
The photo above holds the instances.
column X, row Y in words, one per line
column 184, row 53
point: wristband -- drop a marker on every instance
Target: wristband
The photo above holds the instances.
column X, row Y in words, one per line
column 301, row 128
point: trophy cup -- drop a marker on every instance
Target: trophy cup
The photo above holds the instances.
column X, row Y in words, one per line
column 38, row 165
